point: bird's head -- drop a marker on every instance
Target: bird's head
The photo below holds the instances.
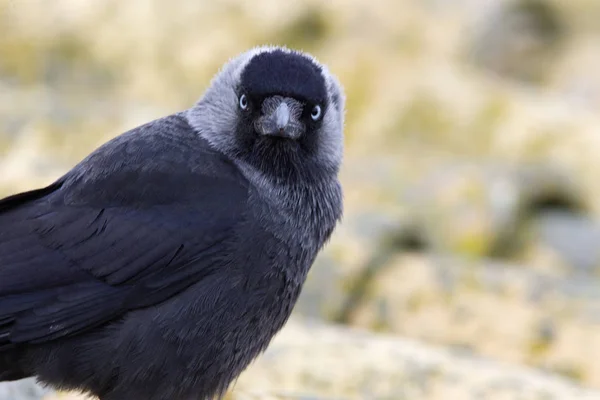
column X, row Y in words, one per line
column 278, row 110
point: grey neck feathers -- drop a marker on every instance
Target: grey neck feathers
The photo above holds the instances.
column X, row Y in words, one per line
column 303, row 214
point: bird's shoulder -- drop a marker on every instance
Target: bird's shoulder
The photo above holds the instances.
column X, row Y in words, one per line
column 138, row 221
column 159, row 163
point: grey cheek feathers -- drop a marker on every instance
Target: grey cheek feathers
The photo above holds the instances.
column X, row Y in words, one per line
column 331, row 145
column 214, row 115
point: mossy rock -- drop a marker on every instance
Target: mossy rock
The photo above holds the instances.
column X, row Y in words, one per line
column 520, row 40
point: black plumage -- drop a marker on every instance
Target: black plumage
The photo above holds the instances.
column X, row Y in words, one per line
column 164, row 262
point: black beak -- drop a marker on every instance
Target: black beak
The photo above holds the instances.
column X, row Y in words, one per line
column 281, row 119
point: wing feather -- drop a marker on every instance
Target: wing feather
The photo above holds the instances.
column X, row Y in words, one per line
column 75, row 255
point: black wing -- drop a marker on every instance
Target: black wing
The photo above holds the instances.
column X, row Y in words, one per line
column 68, row 263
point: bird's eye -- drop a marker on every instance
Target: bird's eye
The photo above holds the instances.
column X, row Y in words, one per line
column 315, row 114
column 243, row 102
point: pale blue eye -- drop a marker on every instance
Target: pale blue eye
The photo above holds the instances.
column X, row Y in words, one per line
column 316, row 113
column 243, row 102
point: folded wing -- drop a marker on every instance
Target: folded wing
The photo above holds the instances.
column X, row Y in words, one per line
column 65, row 269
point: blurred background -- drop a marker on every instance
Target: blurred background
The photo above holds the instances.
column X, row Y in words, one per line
column 468, row 262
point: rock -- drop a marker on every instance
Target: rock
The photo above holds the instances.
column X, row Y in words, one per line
column 574, row 237
column 386, row 367
column 509, row 312
column 519, row 39
column 26, row 389
column 485, row 209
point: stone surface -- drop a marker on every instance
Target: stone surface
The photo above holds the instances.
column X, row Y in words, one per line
column 26, row 389
column 535, row 316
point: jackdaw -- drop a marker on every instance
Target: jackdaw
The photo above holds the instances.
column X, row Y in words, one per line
column 163, row 263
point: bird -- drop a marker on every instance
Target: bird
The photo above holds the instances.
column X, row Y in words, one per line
column 163, row 263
